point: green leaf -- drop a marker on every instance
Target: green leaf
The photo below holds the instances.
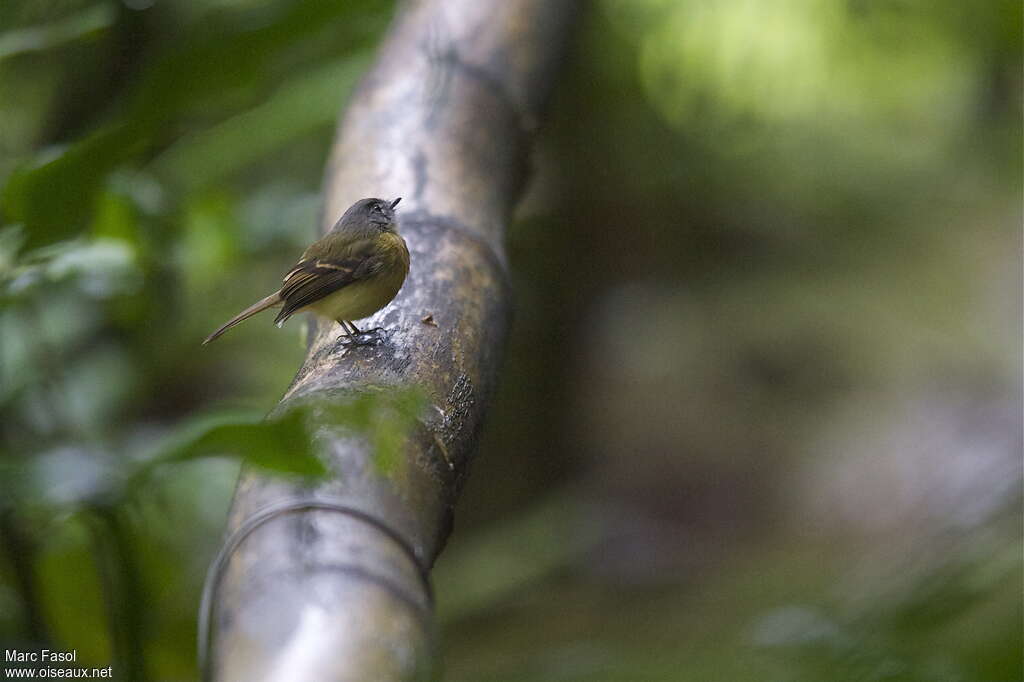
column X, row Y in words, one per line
column 385, row 418
column 55, row 194
column 214, row 72
column 226, row 56
column 56, row 33
column 280, row 444
column 301, row 106
column 99, row 268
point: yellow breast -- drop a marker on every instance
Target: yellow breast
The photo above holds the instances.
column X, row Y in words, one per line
column 365, row 297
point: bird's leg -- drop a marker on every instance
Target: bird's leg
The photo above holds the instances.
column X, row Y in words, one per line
column 375, row 331
column 350, row 336
column 355, row 337
column 356, row 332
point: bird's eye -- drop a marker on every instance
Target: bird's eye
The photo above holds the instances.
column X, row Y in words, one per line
column 377, row 208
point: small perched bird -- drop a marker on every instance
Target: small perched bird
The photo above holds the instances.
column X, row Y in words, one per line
column 352, row 272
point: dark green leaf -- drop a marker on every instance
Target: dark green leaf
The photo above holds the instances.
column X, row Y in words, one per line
column 280, row 444
column 54, row 197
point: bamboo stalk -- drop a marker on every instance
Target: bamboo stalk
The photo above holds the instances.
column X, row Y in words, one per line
column 330, row 581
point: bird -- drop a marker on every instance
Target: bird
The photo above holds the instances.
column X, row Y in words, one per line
column 350, row 273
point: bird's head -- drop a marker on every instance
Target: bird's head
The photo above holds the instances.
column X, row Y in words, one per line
column 368, row 215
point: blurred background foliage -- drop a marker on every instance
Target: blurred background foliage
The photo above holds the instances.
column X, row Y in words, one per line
column 761, row 412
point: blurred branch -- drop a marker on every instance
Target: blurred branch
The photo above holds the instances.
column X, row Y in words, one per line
column 330, row 583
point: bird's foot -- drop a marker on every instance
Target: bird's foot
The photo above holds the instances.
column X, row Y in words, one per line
column 369, row 337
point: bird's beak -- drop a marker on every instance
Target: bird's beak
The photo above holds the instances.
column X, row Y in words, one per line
column 395, row 202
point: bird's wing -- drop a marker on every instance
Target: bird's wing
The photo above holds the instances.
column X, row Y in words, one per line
column 311, row 279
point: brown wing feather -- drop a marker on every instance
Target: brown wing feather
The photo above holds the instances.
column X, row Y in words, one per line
column 312, row 279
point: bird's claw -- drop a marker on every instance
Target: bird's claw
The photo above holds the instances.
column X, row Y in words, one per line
column 369, row 337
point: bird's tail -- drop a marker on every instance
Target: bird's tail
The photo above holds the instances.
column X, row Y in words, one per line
column 268, row 302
